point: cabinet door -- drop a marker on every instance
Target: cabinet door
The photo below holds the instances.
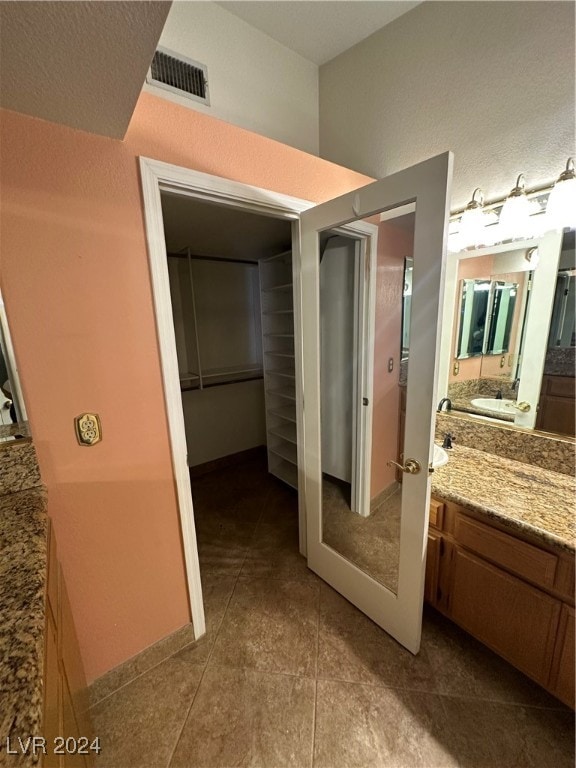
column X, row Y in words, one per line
column 562, row 678
column 71, row 730
column 72, row 662
column 516, row 620
column 52, row 726
column 432, row 567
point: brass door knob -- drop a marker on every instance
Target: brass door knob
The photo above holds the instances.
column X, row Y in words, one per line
column 410, row 466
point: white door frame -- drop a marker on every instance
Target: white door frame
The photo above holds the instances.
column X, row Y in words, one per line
column 157, row 177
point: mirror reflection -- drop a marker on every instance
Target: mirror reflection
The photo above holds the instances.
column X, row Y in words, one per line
column 493, row 360
column 359, row 338
column 12, row 411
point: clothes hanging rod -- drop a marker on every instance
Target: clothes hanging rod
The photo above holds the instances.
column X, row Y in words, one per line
column 195, row 257
column 208, row 385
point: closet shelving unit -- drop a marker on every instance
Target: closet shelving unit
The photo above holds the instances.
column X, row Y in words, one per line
column 277, row 306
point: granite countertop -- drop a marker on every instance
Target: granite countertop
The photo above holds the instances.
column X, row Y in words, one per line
column 522, row 497
column 23, row 572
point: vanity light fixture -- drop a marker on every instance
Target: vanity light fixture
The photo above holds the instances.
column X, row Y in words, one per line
column 473, row 229
column 515, row 221
column 561, row 208
column 523, row 215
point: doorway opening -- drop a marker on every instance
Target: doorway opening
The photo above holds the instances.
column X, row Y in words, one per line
column 231, row 286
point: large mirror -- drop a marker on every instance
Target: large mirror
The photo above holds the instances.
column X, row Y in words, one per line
column 12, row 409
column 509, row 334
column 359, row 336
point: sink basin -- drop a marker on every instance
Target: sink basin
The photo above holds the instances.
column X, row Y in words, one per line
column 494, row 405
column 440, row 457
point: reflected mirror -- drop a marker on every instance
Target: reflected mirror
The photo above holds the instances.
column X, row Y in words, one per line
column 473, row 313
column 361, row 323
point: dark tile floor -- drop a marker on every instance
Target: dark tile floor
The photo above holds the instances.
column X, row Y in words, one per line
column 290, row 674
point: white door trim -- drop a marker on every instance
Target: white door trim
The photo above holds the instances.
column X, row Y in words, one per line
column 157, row 176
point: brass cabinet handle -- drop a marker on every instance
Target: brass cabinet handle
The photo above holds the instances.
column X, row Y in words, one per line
column 410, row 466
column 522, row 406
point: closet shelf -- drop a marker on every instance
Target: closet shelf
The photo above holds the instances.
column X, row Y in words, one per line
column 285, row 471
column 286, row 451
column 279, row 366
column 285, row 392
column 277, row 256
column 285, row 431
column 287, row 412
column 279, row 335
column 278, row 312
column 188, row 376
column 285, row 373
column 283, row 287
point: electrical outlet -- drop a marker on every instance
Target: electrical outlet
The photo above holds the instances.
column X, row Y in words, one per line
column 88, row 428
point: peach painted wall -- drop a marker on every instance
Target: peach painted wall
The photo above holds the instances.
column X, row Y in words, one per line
column 74, row 275
column 394, row 244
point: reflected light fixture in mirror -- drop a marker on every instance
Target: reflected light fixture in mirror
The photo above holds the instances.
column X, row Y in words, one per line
column 561, row 208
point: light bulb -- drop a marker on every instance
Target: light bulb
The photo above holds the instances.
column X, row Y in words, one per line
column 473, row 223
column 515, row 221
column 561, row 207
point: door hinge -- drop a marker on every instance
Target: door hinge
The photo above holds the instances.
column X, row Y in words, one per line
column 365, row 401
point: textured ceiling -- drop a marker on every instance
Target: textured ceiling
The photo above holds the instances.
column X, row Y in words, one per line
column 318, row 31
column 81, row 64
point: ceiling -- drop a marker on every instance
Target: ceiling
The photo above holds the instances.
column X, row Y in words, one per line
column 80, row 63
column 318, row 30
column 83, row 63
column 222, row 231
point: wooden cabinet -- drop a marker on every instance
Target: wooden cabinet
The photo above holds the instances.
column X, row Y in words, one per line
column 556, row 409
column 514, row 595
column 65, row 693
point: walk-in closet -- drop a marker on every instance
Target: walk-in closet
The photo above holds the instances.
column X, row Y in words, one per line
column 231, row 288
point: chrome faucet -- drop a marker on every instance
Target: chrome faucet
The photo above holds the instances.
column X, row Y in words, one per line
column 448, row 404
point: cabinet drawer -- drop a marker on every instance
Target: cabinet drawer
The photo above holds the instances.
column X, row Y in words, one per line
column 510, row 553
column 436, row 514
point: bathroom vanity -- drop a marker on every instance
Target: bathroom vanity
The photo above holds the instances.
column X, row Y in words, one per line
column 42, row 684
column 501, row 561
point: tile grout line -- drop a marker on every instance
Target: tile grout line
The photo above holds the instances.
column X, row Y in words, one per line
column 211, row 652
column 315, row 711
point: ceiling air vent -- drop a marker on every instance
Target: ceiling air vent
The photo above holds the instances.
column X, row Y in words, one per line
column 179, row 75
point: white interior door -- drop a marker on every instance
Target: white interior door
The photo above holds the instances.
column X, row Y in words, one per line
column 375, row 557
